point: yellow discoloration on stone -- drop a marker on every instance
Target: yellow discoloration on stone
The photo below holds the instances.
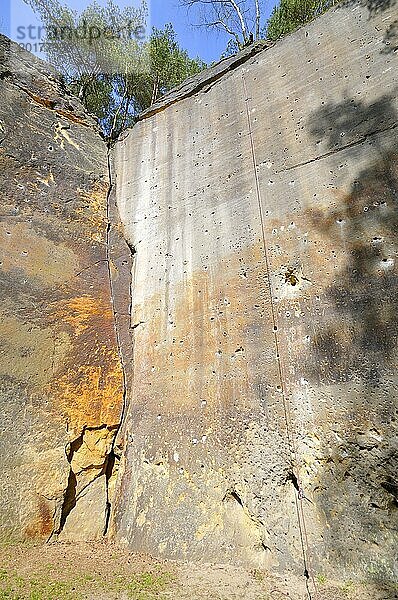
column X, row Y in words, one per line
column 90, row 455
column 95, row 447
column 62, row 136
column 93, row 211
column 46, row 180
column 90, row 394
column 88, row 389
column 214, row 521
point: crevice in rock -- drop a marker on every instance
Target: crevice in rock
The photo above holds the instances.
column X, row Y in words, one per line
column 121, row 330
column 391, row 487
column 70, row 500
column 233, row 495
column 75, row 486
column 82, row 474
column 5, row 75
column 291, row 277
column 293, row 479
column 132, row 248
column 109, row 467
column 74, row 446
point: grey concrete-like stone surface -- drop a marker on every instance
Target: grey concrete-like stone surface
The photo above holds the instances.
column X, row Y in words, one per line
column 262, row 208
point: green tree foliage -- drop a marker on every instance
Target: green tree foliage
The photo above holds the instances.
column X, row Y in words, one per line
column 105, row 57
column 288, row 15
column 169, row 65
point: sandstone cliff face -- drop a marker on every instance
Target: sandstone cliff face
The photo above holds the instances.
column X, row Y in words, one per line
column 262, row 207
column 60, row 372
column 259, row 205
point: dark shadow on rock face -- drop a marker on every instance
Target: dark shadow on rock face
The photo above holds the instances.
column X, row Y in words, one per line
column 390, row 39
column 374, row 7
column 354, row 349
column 349, row 121
column 377, row 7
column 366, row 222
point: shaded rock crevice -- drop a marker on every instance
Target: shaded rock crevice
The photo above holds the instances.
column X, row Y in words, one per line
column 120, row 259
column 90, row 457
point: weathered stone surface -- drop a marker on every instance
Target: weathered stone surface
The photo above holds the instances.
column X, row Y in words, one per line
column 259, row 399
column 262, row 424
column 60, row 373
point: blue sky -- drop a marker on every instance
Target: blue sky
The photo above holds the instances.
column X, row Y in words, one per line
column 197, row 41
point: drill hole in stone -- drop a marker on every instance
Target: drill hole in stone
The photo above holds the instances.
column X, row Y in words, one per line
column 291, row 278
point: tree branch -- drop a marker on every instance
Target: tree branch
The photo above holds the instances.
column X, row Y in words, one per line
column 258, row 16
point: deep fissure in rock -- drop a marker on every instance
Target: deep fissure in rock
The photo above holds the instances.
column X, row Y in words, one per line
column 108, row 469
column 293, row 479
column 69, row 500
column 233, row 495
column 71, row 496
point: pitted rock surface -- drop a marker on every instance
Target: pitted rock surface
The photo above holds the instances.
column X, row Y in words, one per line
column 263, row 208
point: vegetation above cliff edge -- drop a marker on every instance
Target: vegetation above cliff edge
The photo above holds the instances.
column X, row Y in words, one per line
column 110, row 62
column 106, row 57
column 245, row 21
column 289, row 15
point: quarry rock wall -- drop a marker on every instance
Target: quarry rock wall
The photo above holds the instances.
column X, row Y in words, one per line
column 260, row 201
column 198, row 338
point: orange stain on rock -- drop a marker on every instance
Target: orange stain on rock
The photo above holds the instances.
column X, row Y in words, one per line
column 88, row 389
column 90, row 395
column 42, row 526
column 80, row 311
column 93, row 211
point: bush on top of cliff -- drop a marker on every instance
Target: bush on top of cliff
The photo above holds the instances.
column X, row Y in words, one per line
column 110, row 61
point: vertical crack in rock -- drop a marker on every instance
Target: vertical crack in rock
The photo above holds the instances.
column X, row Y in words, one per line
column 292, row 478
column 119, row 271
column 232, row 495
column 93, row 454
column 109, row 472
column 69, row 500
column 247, row 528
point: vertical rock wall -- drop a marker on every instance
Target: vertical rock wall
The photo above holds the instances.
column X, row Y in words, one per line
column 262, row 208
column 60, row 372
